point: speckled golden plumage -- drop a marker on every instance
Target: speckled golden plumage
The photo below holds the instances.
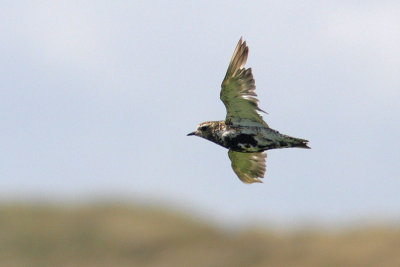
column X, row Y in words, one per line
column 244, row 132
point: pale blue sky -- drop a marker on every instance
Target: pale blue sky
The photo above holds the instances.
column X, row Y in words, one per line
column 96, row 98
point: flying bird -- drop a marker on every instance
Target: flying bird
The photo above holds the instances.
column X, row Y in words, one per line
column 244, row 132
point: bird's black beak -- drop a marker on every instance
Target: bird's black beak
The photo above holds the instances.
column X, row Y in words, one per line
column 192, row 133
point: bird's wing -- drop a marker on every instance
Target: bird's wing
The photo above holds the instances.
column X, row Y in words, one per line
column 249, row 167
column 238, row 88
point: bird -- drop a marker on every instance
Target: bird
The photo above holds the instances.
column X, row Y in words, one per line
column 244, row 132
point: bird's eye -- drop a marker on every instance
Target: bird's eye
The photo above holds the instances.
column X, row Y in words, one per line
column 204, row 128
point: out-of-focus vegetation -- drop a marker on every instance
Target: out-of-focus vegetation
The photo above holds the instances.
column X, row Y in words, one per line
column 118, row 235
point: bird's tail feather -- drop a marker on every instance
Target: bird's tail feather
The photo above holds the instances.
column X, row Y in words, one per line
column 289, row 141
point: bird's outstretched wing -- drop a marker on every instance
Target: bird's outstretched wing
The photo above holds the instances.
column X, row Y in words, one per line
column 238, row 88
column 249, row 167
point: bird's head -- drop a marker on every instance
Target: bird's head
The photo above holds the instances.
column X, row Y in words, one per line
column 203, row 130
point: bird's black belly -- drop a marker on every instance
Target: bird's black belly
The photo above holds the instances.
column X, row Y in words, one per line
column 241, row 142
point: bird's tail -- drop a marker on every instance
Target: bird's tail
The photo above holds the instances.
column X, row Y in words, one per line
column 289, row 141
column 302, row 143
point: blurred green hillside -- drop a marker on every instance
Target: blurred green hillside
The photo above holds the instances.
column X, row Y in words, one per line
column 118, row 235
